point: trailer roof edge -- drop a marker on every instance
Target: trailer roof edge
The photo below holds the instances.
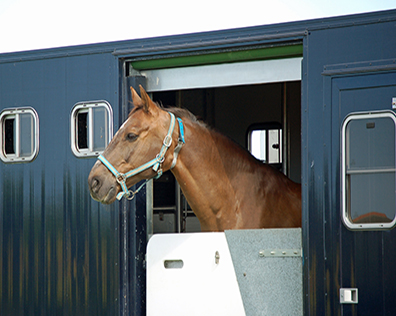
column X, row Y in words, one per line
column 203, row 40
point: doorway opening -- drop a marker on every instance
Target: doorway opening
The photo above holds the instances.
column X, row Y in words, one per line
column 236, row 112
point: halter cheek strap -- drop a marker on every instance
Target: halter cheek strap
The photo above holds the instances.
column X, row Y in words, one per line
column 155, row 163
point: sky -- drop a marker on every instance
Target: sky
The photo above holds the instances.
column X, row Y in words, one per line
column 37, row 24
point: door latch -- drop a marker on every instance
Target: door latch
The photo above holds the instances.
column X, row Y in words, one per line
column 348, row 296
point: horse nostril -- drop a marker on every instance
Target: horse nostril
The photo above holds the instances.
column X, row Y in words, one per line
column 95, row 184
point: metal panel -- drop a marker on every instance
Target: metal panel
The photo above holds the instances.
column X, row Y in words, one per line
column 59, row 249
column 365, row 257
column 223, row 75
column 133, row 230
column 211, row 266
column 294, row 50
column 335, row 257
column 191, row 274
column 268, row 285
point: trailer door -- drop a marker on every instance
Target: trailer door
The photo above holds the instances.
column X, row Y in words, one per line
column 348, row 166
column 362, row 111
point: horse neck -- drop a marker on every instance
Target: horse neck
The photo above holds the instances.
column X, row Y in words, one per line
column 204, row 173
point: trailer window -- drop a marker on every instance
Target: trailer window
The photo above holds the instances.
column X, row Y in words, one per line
column 19, row 135
column 265, row 143
column 368, row 170
column 91, row 128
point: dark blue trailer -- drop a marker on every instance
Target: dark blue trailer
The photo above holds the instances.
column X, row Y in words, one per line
column 322, row 91
column 348, row 83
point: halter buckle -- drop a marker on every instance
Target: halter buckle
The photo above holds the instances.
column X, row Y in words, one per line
column 120, row 178
column 167, row 141
column 160, row 160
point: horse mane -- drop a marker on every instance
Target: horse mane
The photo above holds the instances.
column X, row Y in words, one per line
column 240, row 158
column 228, row 144
column 184, row 113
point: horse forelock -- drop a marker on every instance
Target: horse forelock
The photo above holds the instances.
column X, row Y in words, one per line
column 134, row 110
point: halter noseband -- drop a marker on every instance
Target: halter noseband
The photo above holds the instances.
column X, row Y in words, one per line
column 156, row 163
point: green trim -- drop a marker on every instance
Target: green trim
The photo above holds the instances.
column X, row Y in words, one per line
column 218, row 58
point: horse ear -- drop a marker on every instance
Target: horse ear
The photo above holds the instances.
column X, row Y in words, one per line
column 137, row 101
column 147, row 105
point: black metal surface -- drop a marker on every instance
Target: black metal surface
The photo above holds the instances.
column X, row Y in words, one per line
column 133, row 234
column 334, row 256
column 59, row 249
column 365, row 257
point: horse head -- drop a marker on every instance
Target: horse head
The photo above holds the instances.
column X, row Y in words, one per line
column 226, row 187
column 137, row 151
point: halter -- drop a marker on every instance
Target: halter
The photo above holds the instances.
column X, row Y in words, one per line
column 156, row 163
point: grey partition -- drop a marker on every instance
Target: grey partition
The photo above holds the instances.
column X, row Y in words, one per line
column 268, row 266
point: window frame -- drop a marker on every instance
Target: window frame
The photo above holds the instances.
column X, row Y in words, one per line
column 18, row 157
column 88, row 107
column 344, row 172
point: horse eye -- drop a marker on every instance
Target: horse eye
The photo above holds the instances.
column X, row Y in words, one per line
column 132, row 137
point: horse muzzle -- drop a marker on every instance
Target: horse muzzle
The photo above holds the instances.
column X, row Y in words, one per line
column 102, row 187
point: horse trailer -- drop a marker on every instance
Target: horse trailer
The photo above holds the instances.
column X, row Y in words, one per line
column 307, row 97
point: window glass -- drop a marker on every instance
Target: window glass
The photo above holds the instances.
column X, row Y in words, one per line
column 274, row 148
column 91, row 128
column 258, row 144
column 82, row 129
column 368, row 170
column 9, row 135
column 27, row 130
column 100, row 136
column 265, row 142
column 20, row 135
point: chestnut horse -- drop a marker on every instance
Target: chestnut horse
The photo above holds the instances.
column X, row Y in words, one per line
column 226, row 187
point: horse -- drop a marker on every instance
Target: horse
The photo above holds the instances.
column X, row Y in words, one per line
column 226, row 187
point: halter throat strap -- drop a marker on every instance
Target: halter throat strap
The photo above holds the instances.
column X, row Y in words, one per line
column 155, row 163
column 180, row 143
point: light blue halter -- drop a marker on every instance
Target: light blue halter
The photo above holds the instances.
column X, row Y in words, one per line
column 156, row 163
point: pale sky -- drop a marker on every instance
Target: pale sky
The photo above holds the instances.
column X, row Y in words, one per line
column 36, row 24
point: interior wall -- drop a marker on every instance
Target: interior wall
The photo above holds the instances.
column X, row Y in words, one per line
column 236, row 108
column 293, row 119
column 231, row 110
